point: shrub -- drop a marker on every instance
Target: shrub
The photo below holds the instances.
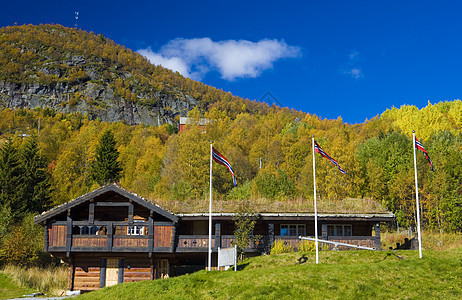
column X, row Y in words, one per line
column 23, row 245
column 280, row 246
column 241, row 192
column 307, row 246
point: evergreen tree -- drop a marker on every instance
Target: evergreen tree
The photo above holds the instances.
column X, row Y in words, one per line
column 106, row 168
column 36, row 188
column 11, row 180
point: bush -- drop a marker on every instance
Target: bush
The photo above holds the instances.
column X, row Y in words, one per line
column 23, row 245
column 280, row 246
column 307, row 246
column 241, row 192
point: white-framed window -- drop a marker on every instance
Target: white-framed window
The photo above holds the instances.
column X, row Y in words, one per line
column 293, row 229
column 339, row 230
column 135, row 230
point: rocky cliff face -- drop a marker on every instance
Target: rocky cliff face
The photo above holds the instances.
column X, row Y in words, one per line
column 50, row 66
column 97, row 101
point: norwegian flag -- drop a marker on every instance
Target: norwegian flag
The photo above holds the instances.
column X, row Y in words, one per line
column 419, row 146
column 319, row 150
column 217, row 157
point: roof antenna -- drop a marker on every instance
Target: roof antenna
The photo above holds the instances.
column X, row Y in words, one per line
column 76, row 19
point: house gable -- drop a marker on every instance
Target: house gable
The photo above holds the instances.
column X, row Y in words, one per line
column 109, row 202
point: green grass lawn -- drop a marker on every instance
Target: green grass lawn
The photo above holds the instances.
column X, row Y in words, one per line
column 10, row 289
column 340, row 275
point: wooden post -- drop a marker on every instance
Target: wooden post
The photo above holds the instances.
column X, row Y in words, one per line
column 151, row 265
column 130, row 213
column 121, row 271
column 109, row 236
column 91, row 213
column 150, row 234
column 173, row 241
column 378, row 245
column 217, row 236
column 70, row 280
column 270, row 236
column 46, row 238
column 69, row 233
column 102, row 276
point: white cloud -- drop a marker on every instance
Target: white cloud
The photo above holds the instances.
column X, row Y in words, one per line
column 231, row 58
column 355, row 73
column 354, row 55
column 173, row 63
column 351, row 68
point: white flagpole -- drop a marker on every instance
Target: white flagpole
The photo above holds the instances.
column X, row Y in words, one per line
column 210, row 211
column 315, row 208
column 417, row 197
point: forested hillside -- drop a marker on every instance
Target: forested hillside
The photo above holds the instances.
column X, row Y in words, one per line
column 172, row 168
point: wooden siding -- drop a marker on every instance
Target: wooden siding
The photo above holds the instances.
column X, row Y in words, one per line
column 137, row 274
column 194, row 241
column 258, row 244
column 227, row 242
column 163, row 236
column 89, row 241
column 130, row 242
column 57, row 235
column 86, row 278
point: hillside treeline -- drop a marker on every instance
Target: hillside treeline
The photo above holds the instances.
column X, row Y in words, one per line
column 164, row 166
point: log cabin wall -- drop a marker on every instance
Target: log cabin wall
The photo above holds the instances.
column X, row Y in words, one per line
column 87, row 272
column 163, row 235
column 137, row 268
column 57, row 236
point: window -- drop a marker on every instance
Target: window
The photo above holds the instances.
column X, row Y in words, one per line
column 293, row 229
column 84, row 230
column 339, row 230
column 93, row 230
column 135, row 230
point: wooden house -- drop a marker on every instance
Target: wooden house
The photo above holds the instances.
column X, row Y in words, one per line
column 111, row 235
column 184, row 121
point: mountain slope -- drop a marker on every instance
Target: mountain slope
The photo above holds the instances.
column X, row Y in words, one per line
column 71, row 70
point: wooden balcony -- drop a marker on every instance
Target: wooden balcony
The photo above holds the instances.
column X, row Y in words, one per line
column 123, row 237
column 83, row 236
column 200, row 243
column 194, row 243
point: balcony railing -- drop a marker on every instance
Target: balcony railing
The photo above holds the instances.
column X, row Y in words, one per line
column 124, row 237
column 367, row 241
column 109, row 237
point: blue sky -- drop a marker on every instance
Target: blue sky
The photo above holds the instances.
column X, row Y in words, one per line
column 352, row 59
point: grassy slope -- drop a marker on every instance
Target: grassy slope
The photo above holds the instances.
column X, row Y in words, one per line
column 10, row 289
column 348, row 274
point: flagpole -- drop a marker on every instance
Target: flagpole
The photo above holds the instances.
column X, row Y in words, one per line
column 315, row 208
column 210, row 211
column 417, row 197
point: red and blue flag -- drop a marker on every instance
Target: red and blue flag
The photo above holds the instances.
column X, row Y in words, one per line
column 217, row 157
column 419, row 146
column 323, row 153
